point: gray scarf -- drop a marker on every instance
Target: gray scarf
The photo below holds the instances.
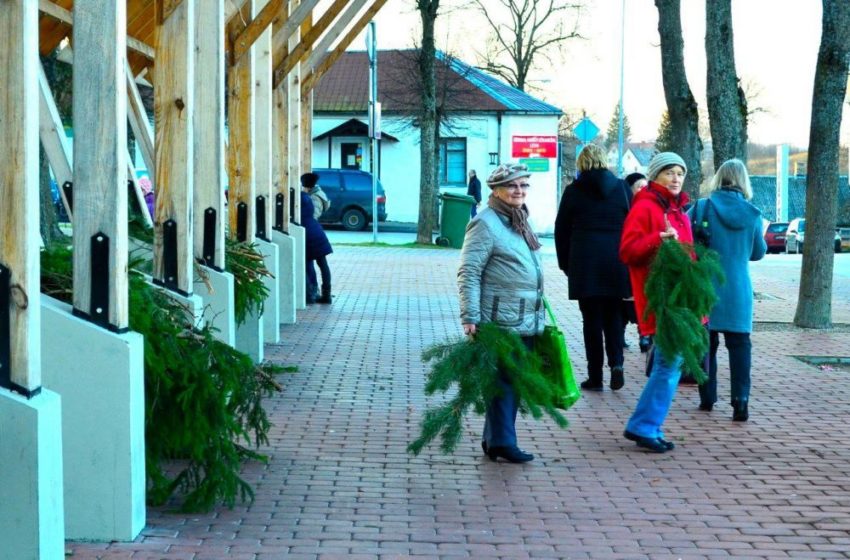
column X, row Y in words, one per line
column 518, row 217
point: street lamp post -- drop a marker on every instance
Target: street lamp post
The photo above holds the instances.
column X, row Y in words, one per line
column 620, row 111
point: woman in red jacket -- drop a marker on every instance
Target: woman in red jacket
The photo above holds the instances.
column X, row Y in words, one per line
column 657, row 215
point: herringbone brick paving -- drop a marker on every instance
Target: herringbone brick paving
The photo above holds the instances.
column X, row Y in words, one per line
column 339, row 483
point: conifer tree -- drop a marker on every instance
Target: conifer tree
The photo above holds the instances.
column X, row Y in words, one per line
column 664, row 141
column 613, row 132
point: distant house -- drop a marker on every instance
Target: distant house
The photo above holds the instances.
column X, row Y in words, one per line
column 636, row 156
column 489, row 122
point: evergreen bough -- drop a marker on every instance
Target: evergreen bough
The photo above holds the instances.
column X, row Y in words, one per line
column 680, row 292
column 473, row 364
column 247, row 265
column 203, row 399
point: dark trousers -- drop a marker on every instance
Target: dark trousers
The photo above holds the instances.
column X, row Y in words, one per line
column 601, row 318
column 312, row 281
column 740, row 349
column 500, row 419
column 473, row 210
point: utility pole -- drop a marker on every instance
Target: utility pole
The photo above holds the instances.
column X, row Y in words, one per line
column 374, row 122
column 620, row 112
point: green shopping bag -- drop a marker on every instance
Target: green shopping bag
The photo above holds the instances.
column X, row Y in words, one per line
column 552, row 349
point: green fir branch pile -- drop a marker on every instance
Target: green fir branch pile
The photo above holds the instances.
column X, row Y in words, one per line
column 680, row 292
column 203, row 399
column 473, row 365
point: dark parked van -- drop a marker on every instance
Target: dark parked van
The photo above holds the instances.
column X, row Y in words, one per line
column 350, row 193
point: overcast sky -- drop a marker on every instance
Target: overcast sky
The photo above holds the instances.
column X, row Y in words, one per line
column 776, row 44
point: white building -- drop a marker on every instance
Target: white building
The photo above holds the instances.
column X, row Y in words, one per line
column 636, row 157
column 490, row 122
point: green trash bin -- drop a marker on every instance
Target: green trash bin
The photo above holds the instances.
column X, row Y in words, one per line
column 453, row 219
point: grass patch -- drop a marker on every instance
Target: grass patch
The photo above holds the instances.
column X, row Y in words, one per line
column 413, row 245
column 827, row 363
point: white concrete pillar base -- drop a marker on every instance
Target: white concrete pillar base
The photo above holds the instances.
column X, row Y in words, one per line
column 100, row 377
column 298, row 234
column 271, row 307
column 218, row 304
column 286, row 276
column 249, row 337
column 31, row 496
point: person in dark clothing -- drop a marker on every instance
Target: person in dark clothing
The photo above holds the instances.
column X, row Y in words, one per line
column 317, row 246
column 474, row 190
column 587, row 240
column 636, row 182
column 736, row 234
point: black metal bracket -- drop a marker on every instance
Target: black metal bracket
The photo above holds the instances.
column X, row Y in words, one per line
column 99, row 294
column 292, row 217
column 5, row 328
column 241, row 222
column 208, row 258
column 68, row 190
column 260, row 213
column 169, row 254
column 278, row 212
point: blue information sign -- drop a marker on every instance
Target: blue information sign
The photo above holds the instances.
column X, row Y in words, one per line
column 585, row 130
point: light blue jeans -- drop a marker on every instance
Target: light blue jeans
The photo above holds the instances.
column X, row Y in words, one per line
column 656, row 398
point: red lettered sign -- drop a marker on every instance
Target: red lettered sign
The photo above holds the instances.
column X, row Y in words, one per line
column 534, row 146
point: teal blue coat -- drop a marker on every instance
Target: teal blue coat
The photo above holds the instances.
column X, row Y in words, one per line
column 736, row 234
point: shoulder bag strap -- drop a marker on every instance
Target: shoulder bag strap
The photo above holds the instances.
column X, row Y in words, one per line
column 549, row 311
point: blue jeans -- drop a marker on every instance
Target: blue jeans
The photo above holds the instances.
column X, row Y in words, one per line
column 656, row 398
column 500, row 420
column 740, row 359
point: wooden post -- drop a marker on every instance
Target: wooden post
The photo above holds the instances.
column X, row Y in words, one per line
column 240, row 146
column 306, row 118
column 208, row 170
column 173, row 113
column 20, row 340
column 100, row 163
column 281, row 152
column 263, row 128
column 293, row 84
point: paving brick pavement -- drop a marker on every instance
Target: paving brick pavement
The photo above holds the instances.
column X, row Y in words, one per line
column 339, row 483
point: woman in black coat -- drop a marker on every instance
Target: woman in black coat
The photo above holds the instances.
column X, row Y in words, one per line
column 587, row 240
column 317, row 246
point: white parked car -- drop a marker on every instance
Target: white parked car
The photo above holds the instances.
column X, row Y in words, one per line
column 795, row 235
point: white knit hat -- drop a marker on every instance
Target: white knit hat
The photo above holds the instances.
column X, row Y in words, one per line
column 506, row 173
column 661, row 161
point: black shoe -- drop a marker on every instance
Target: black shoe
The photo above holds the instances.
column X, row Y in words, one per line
column 706, row 406
column 645, row 343
column 739, row 411
column 655, row 445
column 668, row 444
column 511, row 454
column 589, row 385
column 326, row 295
column 617, row 380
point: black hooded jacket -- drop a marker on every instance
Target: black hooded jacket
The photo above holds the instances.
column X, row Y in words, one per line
column 587, row 235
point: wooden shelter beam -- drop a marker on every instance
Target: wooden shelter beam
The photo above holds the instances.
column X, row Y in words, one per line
column 140, row 125
column 274, row 9
column 281, row 45
column 293, row 81
column 325, row 61
column 209, row 151
column 240, row 145
column 173, row 113
column 65, row 16
column 100, row 163
column 306, row 119
column 307, row 39
column 20, row 359
column 53, row 139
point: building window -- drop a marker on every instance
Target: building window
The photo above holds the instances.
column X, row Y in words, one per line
column 452, row 161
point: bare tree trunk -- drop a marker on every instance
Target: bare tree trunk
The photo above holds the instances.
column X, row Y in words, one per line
column 727, row 104
column 814, row 305
column 681, row 105
column 427, row 123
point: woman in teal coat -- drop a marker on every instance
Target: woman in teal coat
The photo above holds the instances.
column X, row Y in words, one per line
column 735, row 228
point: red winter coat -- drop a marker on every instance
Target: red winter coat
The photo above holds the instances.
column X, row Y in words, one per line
column 642, row 238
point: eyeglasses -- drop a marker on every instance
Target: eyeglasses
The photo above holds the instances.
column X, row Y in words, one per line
column 516, row 187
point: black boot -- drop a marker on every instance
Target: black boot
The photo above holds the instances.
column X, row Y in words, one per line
column 326, row 294
column 740, row 412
